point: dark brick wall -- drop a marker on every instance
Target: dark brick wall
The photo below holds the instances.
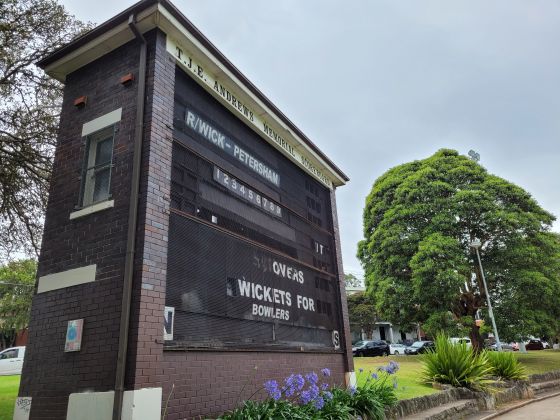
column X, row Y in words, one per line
column 49, row 374
column 209, row 383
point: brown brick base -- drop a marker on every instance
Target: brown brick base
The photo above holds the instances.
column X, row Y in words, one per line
column 210, row 383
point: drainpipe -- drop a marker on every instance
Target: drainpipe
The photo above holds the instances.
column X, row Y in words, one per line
column 132, row 225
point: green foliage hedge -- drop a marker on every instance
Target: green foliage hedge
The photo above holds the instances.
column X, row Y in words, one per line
column 506, row 366
column 456, row 365
column 460, row 366
column 311, row 397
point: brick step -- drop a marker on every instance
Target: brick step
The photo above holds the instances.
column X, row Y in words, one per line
column 547, row 386
column 453, row 410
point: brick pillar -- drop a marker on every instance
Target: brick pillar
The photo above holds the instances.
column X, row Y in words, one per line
column 50, row 374
column 146, row 334
column 345, row 335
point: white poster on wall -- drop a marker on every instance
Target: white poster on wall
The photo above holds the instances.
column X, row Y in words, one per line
column 168, row 320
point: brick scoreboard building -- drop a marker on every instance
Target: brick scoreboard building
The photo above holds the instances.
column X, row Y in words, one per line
column 191, row 245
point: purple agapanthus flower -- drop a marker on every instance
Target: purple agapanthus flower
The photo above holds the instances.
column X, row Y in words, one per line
column 293, row 383
column 374, row 376
column 328, row 395
column 314, row 389
column 271, row 385
column 299, row 382
column 306, row 397
column 391, row 368
column 310, row 394
column 326, row 372
column 352, row 390
column 318, row 403
column 324, row 386
column 312, row 378
column 273, row 390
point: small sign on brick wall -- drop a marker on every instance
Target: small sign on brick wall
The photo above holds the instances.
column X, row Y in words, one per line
column 74, row 335
column 168, row 318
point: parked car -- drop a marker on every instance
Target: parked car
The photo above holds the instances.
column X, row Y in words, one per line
column 505, row 347
column 534, row 345
column 371, row 348
column 397, row 348
column 457, row 340
column 420, row 347
column 11, row 361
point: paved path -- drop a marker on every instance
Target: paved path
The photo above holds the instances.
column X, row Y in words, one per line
column 548, row 409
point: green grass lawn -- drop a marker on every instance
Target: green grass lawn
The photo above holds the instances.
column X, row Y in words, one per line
column 9, row 386
column 408, row 385
column 408, row 375
column 540, row 361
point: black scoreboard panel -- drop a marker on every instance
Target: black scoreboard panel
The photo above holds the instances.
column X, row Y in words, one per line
column 196, row 191
column 251, row 250
column 227, row 291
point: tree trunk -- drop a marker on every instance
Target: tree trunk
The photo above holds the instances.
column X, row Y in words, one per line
column 476, row 339
column 468, row 305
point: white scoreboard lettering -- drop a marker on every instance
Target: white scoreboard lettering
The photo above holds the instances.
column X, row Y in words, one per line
column 243, row 191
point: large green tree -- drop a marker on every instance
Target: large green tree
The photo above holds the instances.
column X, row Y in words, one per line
column 17, row 284
column 29, row 109
column 419, row 220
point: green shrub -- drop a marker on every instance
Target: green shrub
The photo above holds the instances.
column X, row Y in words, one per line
column 370, row 399
column 311, row 397
column 506, row 366
column 264, row 410
column 456, row 365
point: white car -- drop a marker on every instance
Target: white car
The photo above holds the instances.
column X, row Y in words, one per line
column 397, row 348
column 11, row 361
column 461, row 340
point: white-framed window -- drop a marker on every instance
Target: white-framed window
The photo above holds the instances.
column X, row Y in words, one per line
column 98, row 164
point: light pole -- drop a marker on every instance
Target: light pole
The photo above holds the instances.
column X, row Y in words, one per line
column 476, row 244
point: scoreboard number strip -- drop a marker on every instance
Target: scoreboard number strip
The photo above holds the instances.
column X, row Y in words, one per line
column 243, row 191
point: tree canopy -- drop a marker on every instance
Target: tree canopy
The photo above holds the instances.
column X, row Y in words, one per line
column 29, row 109
column 419, row 221
column 352, row 281
column 17, row 284
column 361, row 312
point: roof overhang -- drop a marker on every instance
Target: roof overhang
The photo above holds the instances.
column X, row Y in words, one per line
column 188, row 45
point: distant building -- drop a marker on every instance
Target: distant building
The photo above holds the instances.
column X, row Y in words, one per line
column 383, row 330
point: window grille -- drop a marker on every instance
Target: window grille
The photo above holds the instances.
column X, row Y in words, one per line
column 98, row 162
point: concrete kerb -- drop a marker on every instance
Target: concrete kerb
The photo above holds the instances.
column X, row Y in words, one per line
column 543, row 377
column 426, row 402
column 521, row 404
column 511, row 391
